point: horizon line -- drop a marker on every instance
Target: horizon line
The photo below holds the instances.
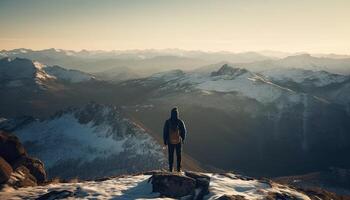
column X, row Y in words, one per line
column 179, row 49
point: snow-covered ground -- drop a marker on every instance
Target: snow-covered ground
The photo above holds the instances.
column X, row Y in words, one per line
column 138, row 187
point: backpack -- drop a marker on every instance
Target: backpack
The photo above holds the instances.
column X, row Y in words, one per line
column 174, row 136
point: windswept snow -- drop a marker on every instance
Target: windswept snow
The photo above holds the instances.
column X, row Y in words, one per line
column 138, row 187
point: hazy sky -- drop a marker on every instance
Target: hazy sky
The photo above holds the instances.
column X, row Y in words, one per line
column 316, row 26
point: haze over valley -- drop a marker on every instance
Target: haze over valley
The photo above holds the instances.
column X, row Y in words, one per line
column 262, row 87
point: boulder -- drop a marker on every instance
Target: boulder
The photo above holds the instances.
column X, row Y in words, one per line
column 10, row 147
column 173, row 185
column 5, row 171
column 281, row 196
column 35, row 166
column 202, row 183
column 22, row 177
column 231, row 197
column 59, row 194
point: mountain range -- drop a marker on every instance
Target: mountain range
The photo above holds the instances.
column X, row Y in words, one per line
column 129, row 64
column 290, row 117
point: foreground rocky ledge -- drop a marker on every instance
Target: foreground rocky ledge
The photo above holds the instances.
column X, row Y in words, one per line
column 17, row 168
column 164, row 185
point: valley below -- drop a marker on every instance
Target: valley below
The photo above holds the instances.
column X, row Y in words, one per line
column 285, row 121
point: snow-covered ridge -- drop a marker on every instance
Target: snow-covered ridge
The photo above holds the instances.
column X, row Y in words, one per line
column 138, row 187
column 93, row 135
column 315, row 78
column 18, row 70
column 73, row 76
column 266, row 87
column 168, row 75
column 229, row 79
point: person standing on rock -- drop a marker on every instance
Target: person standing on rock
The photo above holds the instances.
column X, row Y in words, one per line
column 174, row 134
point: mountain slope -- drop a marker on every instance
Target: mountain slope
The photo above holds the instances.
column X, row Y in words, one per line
column 92, row 141
column 245, row 121
column 333, row 88
column 73, row 76
column 18, row 72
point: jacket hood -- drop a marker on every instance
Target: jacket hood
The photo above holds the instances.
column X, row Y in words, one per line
column 174, row 114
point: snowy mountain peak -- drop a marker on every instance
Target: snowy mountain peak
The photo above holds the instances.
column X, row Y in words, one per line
column 15, row 72
column 18, row 71
column 70, row 75
column 230, row 71
column 89, row 142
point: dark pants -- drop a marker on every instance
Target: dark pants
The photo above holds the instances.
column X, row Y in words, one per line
column 171, row 149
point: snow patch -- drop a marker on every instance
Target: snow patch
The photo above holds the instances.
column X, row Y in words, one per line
column 138, row 187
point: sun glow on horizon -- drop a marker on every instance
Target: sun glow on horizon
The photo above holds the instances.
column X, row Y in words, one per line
column 235, row 26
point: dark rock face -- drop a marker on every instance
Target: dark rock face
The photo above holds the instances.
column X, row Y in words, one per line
column 202, row 183
column 5, row 171
column 227, row 70
column 173, row 185
column 17, row 169
column 193, row 185
column 22, row 178
column 35, row 166
column 282, row 196
column 231, row 197
column 59, row 194
column 10, row 147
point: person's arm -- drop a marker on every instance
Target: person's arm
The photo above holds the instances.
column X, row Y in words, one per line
column 165, row 132
column 183, row 130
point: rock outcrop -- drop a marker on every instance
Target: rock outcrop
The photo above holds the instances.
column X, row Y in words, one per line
column 192, row 185
column 21, row 177
column 35, row 167
column 61, row 194
column 231, row 197
column 17, row 169
column 10, row 147
column 5, row 171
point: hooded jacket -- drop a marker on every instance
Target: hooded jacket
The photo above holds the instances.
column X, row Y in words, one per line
column 174, row 119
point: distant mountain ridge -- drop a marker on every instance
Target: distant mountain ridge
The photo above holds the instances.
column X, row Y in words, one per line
column 15, row 72
column 243, row 115
column 116, row 66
